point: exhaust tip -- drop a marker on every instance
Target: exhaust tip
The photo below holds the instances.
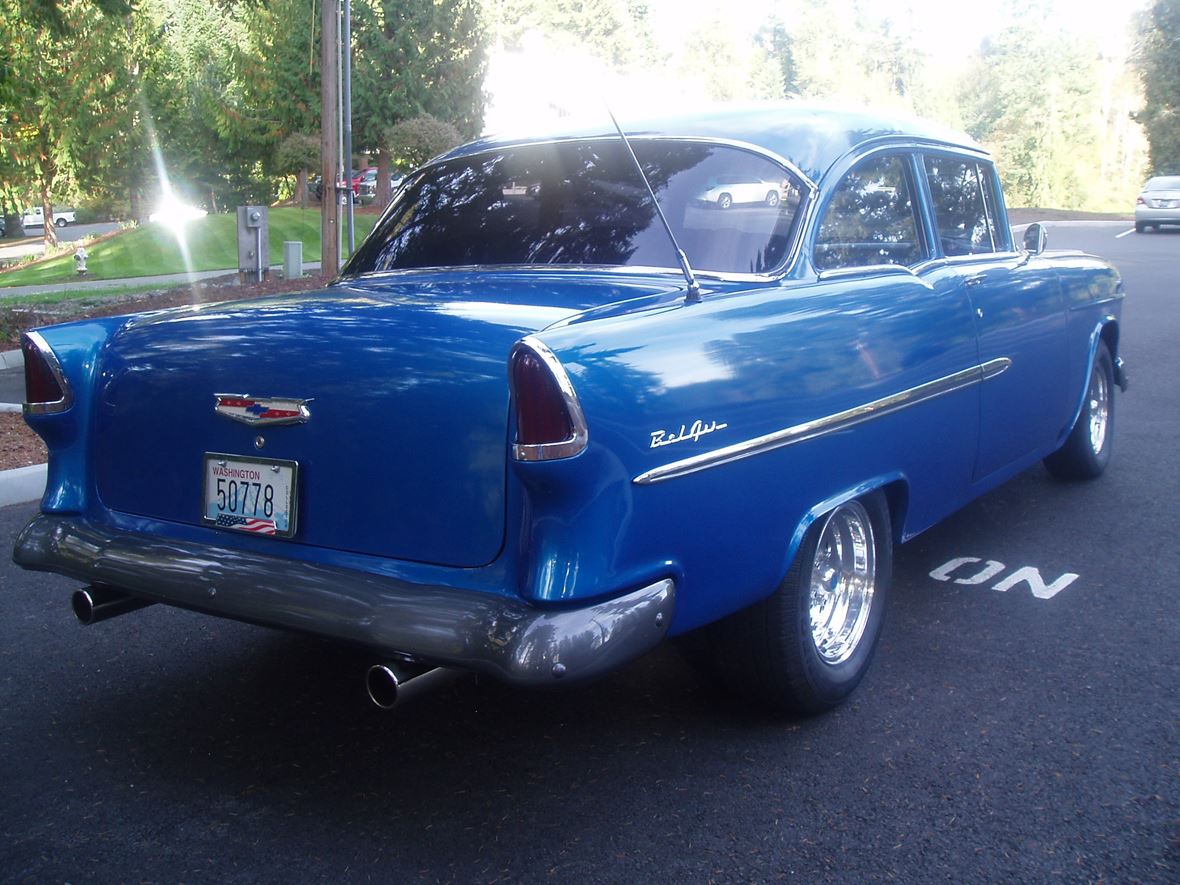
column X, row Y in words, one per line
column 82, row 604
column 382, row 684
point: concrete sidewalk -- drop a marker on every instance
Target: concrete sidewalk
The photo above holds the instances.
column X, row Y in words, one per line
column 169, row 280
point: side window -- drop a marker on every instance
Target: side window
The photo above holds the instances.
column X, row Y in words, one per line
column 964, row 209
column 870, row 219
column 1001, row 233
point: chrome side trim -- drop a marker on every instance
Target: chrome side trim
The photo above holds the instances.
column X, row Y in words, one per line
column 829, row 423
column 67, row 392
column 993, row 368
column 581, row 434
column 495, row 633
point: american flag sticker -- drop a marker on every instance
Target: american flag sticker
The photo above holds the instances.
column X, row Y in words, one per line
column 246, row 524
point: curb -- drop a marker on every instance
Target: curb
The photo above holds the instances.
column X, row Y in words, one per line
column 22, row 484
column 11, row 359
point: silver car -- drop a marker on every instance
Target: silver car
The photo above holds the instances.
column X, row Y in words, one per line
column 1159, row 203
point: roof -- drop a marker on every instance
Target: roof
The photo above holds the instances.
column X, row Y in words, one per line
column 812, row 137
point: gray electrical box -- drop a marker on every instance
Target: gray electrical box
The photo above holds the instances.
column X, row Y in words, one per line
column 253, row 248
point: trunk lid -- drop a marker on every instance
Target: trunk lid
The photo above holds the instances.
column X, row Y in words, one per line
column 404, row 452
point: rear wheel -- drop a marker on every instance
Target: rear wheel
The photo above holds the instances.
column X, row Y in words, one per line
column 724, row 201
column 805, row 648
column 772, row 198
column 1140, row 227
column 60, row 222
column 1087, row 448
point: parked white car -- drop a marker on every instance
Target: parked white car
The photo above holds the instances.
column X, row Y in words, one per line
column 726, row 190
column 35, row 217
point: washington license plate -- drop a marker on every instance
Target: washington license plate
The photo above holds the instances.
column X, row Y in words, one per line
column 255, row 495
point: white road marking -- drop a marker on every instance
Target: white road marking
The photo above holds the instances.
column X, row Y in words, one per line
column 1029, row 575
column 1124, row 233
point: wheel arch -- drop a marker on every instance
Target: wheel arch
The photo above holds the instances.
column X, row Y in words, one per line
column 1105, row 331
column 894, row 486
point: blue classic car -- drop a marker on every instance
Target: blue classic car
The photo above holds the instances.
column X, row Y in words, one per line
column 556, row 409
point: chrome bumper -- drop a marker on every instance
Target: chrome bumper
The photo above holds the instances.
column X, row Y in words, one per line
column 505, row 637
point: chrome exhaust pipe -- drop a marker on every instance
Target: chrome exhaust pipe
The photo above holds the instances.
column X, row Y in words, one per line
column 390, row 685
column 93, row 604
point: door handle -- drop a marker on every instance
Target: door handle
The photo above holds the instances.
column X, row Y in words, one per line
column 972, row 282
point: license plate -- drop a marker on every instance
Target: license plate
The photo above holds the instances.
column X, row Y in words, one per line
column 254, row 495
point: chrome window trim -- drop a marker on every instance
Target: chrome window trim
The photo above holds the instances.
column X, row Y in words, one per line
column 973, row 258
column 861, row 270
column 632, row 269
column 67, row 398
column 828, row 424
column 579, row 439
column 806, row 204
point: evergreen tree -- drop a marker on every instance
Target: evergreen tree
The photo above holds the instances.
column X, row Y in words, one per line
column 414, row 57
column 1158, row 61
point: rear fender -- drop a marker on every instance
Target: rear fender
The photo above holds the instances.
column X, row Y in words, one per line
column 78, row 348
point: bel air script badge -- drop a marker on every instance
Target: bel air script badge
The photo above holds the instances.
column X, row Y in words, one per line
column 695, row 432
column 255, row 410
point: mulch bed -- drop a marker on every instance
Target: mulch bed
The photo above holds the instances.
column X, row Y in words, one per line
column 19, row 446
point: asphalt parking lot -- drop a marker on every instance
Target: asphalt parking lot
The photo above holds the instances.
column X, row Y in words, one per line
column 1002, row 734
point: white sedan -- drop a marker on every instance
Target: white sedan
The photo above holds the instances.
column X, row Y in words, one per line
column 726, row 190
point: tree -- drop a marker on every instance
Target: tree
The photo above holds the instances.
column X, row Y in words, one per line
column 723, row 66
column 616, row 31
column 278, row 66
column 66, row 83
column 1157, row 59
column 877, row 58
column 208, row 139
column 297, row 154
column 414, row 141
column 414, row 57
column 1029, row 97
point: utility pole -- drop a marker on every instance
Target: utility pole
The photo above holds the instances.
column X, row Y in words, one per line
column 329, row 138
column 346, row 113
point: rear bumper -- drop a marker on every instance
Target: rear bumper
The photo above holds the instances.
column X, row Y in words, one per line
column 501, row 636
column 1150, row 215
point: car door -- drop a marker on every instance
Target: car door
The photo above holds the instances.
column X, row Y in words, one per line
column 916, row 331
column 1018, row 310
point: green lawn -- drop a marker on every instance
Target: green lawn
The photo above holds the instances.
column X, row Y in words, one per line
column 153, row 249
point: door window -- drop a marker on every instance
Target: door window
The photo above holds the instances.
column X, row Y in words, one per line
column 870, row 219
column 964, row 209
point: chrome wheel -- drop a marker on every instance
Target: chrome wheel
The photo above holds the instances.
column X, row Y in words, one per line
column 843, row 577
column 1099, row 397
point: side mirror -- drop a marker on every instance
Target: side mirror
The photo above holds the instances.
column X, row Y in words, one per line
column 1036, row 238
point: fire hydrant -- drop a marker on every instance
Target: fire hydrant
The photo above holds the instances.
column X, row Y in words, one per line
column 80, row 256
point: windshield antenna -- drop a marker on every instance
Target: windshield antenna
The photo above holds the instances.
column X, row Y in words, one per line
column 694, row 288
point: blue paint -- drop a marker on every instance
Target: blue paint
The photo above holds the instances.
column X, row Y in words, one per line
column 405, row 468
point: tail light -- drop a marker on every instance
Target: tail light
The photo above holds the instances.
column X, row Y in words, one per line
column 46, row 388
column 1139, row 201
column 549, row 419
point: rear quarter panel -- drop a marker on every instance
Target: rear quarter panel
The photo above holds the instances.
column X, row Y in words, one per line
column 754, row 362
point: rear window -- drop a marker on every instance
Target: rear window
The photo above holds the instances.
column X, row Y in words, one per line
column 1163, row 183
column 583, row 203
